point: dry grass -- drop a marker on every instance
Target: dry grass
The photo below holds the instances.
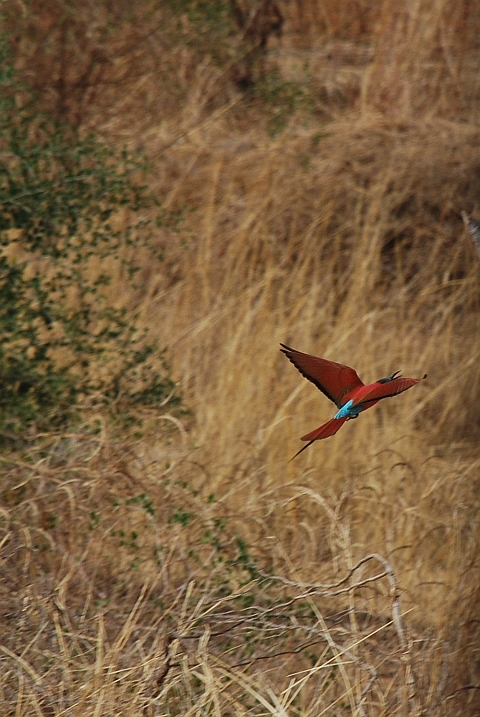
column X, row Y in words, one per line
column 197, row 571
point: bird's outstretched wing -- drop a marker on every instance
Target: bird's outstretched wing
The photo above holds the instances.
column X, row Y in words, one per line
column 385, row 390
column 333, row 379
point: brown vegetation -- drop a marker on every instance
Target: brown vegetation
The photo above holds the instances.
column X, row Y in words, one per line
column 193, row 570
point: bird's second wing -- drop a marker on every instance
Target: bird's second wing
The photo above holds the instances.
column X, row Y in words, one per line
column 385, row 390
column 333, row 379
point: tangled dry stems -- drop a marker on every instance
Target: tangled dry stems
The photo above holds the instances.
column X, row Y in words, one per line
column 194, row 570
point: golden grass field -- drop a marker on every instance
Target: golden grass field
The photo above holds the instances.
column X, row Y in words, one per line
column 192, row 570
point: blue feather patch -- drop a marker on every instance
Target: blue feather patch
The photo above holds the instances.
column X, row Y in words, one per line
column 347, row 411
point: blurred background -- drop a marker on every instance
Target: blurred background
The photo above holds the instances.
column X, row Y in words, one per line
column 186, row 184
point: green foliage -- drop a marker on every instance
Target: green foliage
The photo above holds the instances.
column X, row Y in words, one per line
column 206, row 15
column 206, row 26
column 279, row 99
column 71, row 226
column 208, row 12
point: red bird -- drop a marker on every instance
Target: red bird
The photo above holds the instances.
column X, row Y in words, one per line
column 342, row 385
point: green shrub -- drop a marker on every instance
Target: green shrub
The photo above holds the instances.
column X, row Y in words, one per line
column 72, row 221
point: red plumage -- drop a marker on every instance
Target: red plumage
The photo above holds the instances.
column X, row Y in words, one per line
column 374, row 392
column 328, row 429
column 334, row 379
column 342, row 385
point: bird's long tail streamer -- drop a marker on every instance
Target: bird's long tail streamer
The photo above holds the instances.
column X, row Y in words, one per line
column 328, row 429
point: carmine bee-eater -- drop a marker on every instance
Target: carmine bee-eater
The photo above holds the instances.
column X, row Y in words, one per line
column 342, row 385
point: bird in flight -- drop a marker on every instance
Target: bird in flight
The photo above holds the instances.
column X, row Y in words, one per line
column 342, row 385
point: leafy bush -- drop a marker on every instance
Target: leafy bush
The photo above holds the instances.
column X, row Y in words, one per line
column 71, row 226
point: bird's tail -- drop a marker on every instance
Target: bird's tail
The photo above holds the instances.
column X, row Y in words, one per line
column 328, row 429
